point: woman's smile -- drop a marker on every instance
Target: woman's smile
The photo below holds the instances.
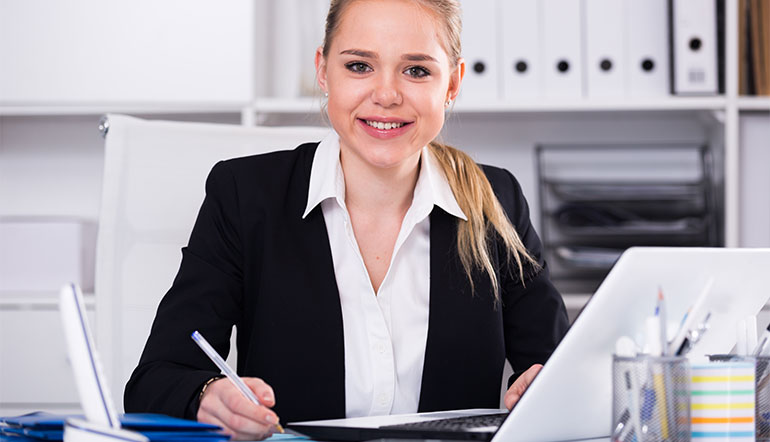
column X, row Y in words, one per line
column 384, row 128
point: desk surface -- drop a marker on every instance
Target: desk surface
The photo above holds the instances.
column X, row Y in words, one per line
column 292, row 437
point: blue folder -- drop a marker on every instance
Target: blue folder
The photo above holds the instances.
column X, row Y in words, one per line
column 158, row 428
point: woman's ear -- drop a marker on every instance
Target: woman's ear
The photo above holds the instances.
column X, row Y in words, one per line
column 320, row 68
column 456, row 80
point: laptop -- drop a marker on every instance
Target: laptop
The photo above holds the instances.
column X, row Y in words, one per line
column 571, row 398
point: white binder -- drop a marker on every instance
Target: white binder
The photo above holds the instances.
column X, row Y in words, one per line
column 521, row 68
column 311, row 19
column 604, row 62
column 480, row 50
column 694, row 47
column 287, row 70
column 562, row 48
column 647, row 43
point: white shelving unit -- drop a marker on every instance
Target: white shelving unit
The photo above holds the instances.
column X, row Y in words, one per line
column 754, row 104
column 463, row 106
column 51, row 158
column 91, row 109
column 39, row 300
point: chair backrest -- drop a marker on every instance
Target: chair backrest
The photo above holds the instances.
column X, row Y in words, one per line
column 154, row 177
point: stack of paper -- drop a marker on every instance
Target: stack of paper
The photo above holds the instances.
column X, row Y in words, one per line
column 48, row 426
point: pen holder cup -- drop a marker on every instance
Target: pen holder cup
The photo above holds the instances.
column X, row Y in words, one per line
column 726, row 396
column 761, row 391
column 650, row 399
column 762, row 373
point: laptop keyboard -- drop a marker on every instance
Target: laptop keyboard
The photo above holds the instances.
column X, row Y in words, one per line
column 464, row 423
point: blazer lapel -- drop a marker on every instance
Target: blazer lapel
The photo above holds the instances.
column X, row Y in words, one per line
column 312, row 242
column 445, row 287
column 464, row 328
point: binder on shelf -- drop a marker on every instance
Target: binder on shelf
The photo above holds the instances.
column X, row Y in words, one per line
column 693, row 28
column 521, row 67
column 311, row 20
column 745, row 68
column 287, row 68
column 480, row 50
column 562, row 49
column 759, row 45
column 647, row 48
column 604, row 61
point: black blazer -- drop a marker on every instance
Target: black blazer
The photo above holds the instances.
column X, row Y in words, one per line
column 253, row 262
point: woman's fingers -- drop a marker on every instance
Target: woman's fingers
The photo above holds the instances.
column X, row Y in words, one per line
column 204, row 417
column 234, row 416
column 520, row 385
column 263, row 391
column 224, row 405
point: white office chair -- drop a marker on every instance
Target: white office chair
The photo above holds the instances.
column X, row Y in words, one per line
column 154, row 177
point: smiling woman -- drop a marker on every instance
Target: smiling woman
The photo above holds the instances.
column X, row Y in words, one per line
column 372, row 85
column 393, row 268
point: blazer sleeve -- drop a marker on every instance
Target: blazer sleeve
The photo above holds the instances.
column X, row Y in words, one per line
column 206, row 295
column 534, row 316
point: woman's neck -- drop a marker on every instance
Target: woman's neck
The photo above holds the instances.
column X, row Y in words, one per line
column 377, row 190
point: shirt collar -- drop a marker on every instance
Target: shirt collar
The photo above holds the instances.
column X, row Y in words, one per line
column 433, row 187
column 327, row 180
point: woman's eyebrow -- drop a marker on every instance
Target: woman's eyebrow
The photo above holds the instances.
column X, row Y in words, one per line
column 418, row 57
column 360, row 53
column 370, row 54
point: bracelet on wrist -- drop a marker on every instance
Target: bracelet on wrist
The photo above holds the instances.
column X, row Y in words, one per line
column 206, row 385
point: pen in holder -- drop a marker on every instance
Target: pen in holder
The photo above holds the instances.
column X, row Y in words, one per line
column 650, row 399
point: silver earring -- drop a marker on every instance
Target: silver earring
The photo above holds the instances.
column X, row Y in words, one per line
column 448, row 102
column 326, row 94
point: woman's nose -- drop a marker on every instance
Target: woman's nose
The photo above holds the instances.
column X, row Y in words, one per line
column 386, row 92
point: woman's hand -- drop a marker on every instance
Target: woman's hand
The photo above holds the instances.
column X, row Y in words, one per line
column 520, row 385
column 224, row 405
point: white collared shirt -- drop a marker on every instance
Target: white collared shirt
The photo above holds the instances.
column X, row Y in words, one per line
column 385, row 332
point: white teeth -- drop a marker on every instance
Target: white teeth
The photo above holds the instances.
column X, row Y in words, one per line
column 383, row 126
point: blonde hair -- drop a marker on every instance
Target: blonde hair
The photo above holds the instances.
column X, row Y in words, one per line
column 468, row 182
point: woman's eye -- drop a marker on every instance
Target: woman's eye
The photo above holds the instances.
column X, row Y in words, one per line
column 358, row 67
column 417, row 72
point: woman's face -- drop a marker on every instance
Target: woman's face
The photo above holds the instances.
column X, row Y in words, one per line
column 388, row 78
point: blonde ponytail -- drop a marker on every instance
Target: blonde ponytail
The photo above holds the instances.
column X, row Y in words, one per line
column 475, row 197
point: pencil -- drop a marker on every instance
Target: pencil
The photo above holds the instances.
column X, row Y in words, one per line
column 660, row 391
